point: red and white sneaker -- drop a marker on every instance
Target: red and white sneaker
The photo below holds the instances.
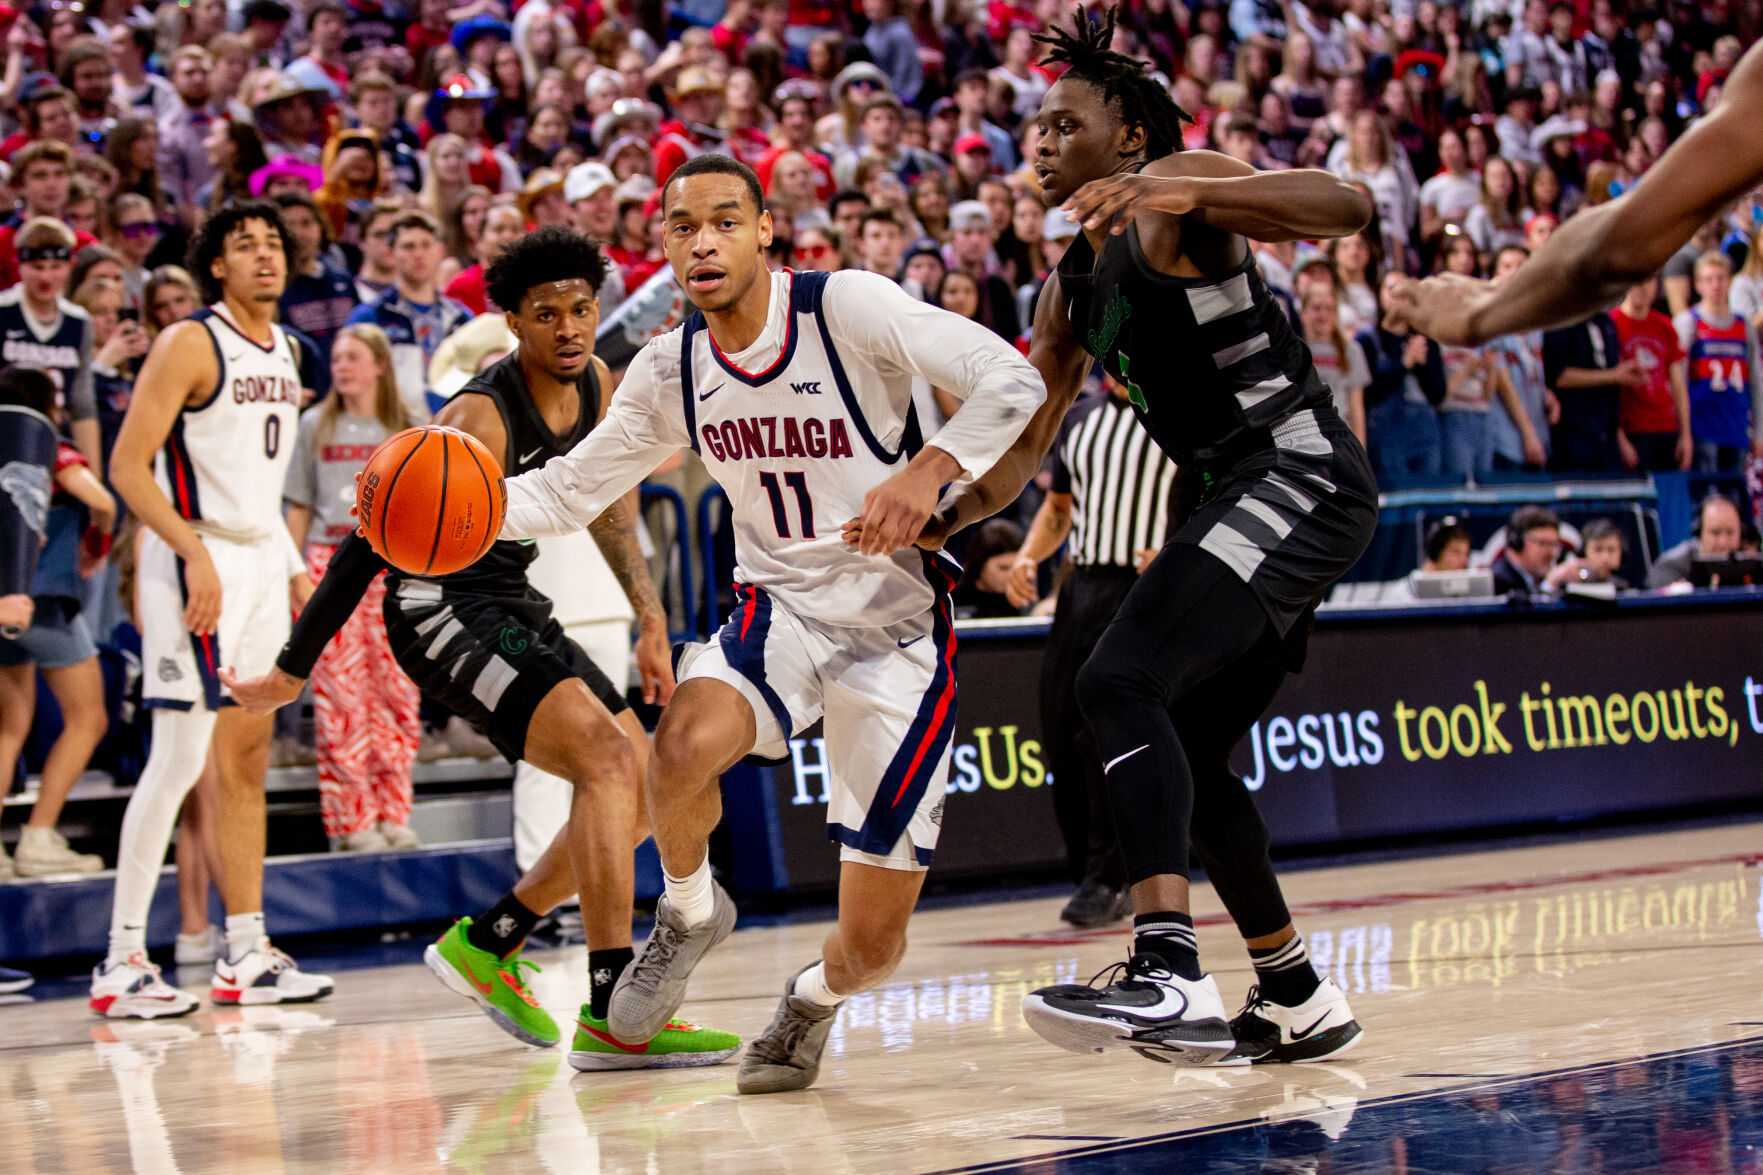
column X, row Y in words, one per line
column 133, row 990
column 266, row 976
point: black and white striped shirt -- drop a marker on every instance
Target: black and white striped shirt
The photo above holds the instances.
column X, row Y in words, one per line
column 1119, row 481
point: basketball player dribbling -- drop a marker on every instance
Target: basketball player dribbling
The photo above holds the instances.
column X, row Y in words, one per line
column 483, row 642
column 1278, row 501
column 1590, row 262
column 200, row 459
column 796, row 391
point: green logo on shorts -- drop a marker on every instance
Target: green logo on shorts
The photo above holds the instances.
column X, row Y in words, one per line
column 512, row 640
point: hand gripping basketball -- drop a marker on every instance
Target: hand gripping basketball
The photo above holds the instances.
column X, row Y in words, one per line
column 430, row 500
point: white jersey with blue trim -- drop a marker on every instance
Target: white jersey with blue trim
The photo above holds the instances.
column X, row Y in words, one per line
column 798, row 428
column 226, row 458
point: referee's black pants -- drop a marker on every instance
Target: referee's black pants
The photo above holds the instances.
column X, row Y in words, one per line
column 1088, row 601
column 1188, row 665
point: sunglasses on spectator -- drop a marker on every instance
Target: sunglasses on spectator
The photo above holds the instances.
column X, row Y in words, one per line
column 139, row 229
column 865, row 83
column 812, row 252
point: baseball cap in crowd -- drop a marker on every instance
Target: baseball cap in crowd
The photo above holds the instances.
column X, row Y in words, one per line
column 602, row 81
column 33, row 82
column 461, row 354
column 622, row 144
column 541, row 181
column 943, row 107
column 969, row 214
column 860, row 71
column 1556, row 126
column 285, row 86
column 972, row 141
column 584, row 179
column 635, row 190
column 286, row 165
column 696, row 80
column 1058, row 225
column 627, row 116
column 923, row 247
column 481, row 25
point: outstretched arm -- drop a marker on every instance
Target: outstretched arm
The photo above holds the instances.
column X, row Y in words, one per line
column 1596, row 255
column 1227, row 195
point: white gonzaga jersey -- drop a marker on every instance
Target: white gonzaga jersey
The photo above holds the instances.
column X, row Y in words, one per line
column 823, row 416
column 226, row 458
column 795, row 453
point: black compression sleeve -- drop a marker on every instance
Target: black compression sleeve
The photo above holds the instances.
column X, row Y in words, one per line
column 345, row 581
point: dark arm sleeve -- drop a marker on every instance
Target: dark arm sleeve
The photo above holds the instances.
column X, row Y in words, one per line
column 345, row 581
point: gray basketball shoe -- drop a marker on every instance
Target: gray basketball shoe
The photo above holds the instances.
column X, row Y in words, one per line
column 654, row 986
column 786, row 1055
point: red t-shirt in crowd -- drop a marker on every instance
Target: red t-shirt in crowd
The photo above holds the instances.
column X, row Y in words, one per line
column 1651, row 342
column 468, row 288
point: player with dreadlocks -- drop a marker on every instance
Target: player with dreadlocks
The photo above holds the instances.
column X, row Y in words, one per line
column 1278, row 502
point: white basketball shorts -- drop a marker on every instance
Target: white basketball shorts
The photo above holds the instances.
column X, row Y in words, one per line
column 181, row 671
column 888, row 699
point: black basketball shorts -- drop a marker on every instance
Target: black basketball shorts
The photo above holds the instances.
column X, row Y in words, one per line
column 489, row 659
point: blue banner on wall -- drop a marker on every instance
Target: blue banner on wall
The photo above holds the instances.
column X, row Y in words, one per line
column 1400, row 724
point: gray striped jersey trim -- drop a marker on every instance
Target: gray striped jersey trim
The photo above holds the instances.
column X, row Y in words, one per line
column 1210, row 303
column 1241, row 351
column 1298, row 497
column 448, row 631
column 435, row 621
column 1267, row 514
column 1239, row 552
column 1252, row 397
column 492, row 681
column 419, row 591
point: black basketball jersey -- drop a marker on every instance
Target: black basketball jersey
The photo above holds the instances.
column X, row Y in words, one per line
column 531, row 443
column 1217, row 359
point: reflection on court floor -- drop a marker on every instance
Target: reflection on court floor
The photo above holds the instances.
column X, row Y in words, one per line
column 1594, row 1005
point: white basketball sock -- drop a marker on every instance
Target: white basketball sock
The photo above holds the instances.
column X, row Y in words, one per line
column 811, row 986
column 693, row 896
column 180, row 748
column 243, row 931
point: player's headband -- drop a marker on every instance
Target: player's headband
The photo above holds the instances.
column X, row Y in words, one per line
column 45, row 253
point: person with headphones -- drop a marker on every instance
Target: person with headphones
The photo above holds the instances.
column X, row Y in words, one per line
column 1533, row 543
column 1446, row 547
column 1718, row 531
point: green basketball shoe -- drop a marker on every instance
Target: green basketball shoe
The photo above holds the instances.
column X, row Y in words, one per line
column 493, row 983
column 678, row 1045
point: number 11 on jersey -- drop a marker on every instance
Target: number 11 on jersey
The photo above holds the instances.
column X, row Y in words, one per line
column 798, row 481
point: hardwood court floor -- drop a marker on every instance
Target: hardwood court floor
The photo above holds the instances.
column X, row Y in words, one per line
column 1472, row 974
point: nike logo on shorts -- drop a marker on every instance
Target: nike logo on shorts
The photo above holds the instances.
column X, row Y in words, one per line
column 1118, row 759
column 913, row 641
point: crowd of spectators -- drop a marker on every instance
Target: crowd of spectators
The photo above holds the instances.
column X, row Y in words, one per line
column 407, row 144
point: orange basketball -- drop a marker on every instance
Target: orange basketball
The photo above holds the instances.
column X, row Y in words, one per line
column 431, row 500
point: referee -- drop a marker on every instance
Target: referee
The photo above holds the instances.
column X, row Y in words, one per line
column 1111, row 496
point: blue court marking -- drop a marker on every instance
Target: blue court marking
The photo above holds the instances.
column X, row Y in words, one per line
column 1698, row 1109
